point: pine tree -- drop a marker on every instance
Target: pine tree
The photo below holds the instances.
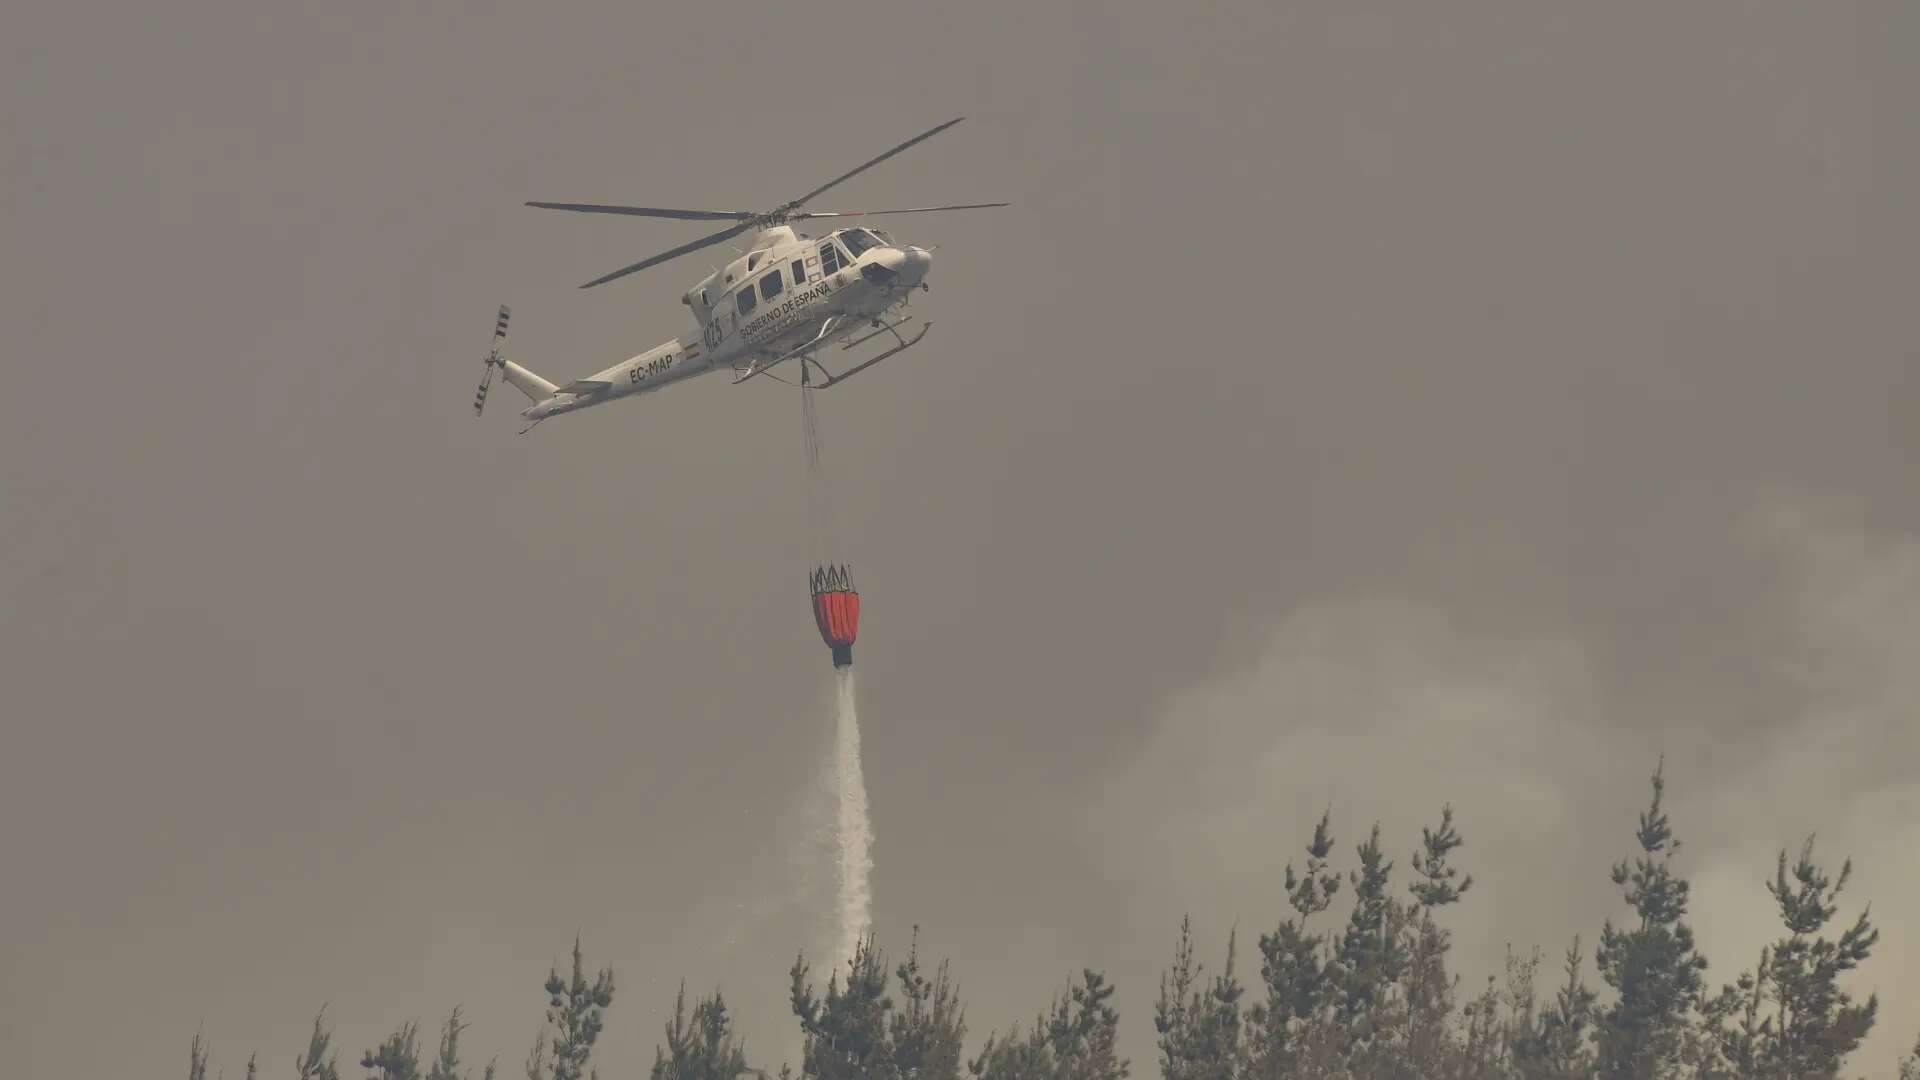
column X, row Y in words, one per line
column 705, row 1049
column 927, row 1034
column 1910, row 1065
column 1479, row 1037
column 1199, row 1027
column 1099, row 1028
column 1816, row 1023
column 575, row 1017
column 1653, row 967
column 1083, row 1033
column 1296, row 978
column 1735, row 1024
column 446, row 1066
column 1016, row 1057
column 1788, row 1017
column 1075, row 1039
column 1496, row 1024
column 1557, row 1046
column 1436, row 886
column 1427, row 998
column 1371, row 955
column 845, row 1032
column 1221, row 1049
column 1172, row 1012
column 398, row 1058
column 317, row 1063
column 1375, row 1000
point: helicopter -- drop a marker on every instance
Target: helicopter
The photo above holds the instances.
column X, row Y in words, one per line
column 787, row 297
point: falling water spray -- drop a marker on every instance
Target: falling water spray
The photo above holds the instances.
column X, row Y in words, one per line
column 836, row 613
column 855, row 823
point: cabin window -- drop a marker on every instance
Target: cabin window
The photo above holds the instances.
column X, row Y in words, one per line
column 829, row 258
column 745, row 299
column 858, row 240
column 799, row 272
column 770, row 285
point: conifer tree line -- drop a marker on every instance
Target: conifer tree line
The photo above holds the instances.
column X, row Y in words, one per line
column 1370, row 997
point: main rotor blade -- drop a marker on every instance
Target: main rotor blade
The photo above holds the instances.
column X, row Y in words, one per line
column 923, row 136
column 705, row 241
column 647, row 211
column 907, row 210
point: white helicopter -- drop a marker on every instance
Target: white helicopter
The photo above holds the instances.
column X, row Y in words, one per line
column 788, row 296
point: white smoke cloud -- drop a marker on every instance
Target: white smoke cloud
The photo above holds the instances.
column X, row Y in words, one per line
column 1848, row 768
column 1383, row 708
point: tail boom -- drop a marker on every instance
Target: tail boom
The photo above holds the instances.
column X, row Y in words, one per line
column 535, row 387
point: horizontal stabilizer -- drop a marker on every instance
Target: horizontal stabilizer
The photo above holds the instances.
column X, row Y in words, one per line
column 585, row 388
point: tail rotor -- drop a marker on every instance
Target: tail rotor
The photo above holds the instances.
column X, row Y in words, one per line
column 493, row 362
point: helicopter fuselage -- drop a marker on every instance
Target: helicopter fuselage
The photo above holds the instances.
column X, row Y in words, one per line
column 787, row 291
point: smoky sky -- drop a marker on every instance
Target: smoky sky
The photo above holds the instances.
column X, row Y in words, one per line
column 1368, row 406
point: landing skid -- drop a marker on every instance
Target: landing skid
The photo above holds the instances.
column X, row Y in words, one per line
column 757, row 368
column 835, row 380
column 810, row 362
column 885, row 328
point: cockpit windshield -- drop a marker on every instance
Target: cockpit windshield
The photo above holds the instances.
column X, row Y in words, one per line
column 858, row 240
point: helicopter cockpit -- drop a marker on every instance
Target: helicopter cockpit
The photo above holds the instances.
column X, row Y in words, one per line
column 859, row 240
